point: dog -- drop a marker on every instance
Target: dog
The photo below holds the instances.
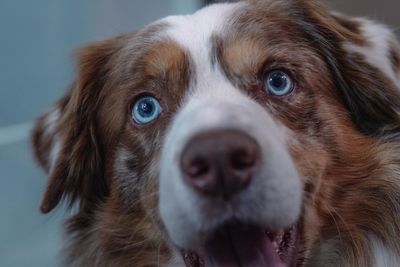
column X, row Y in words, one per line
column 257, row 133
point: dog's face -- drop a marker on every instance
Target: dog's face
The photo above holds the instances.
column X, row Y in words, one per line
column 251, row 134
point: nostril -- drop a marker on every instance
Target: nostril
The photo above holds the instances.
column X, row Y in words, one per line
column 197, row 167
column 201, row 175
column 242, row 160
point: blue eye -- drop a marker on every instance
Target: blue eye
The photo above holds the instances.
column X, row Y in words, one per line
column 146, row 109
column 278, row 83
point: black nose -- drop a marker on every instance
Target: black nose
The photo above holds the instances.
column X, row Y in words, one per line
column 220, row 163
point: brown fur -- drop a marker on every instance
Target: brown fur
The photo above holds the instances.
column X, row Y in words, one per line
column 343, row 119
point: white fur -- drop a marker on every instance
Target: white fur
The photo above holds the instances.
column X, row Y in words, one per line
column 51, row 121
column 176, row 259
column 193, row 32
column 50, row 132
column 128, row 178
column 273, row 198
column 383, row 256
column 54, row 153
column 377, row 53
column 330, row 254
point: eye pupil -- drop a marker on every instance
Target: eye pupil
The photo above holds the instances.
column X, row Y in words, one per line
column 279, row 83
column 146, row 109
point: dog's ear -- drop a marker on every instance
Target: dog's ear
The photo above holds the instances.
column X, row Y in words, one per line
column 65, row 141
column 364, row 60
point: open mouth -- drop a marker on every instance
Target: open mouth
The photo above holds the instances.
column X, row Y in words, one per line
column 241, row 245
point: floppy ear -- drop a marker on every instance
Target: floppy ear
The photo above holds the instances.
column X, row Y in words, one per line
column 65, row 141
column 364, row 60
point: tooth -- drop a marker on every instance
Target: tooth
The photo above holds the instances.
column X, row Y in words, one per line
column 275, row 246
column 280, row 235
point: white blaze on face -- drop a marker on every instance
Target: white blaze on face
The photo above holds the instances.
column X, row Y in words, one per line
column 273, row 198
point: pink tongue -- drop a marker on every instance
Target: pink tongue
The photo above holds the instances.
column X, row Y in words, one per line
column 241, row 246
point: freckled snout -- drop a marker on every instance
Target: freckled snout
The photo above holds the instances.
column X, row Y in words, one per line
column 220, row 163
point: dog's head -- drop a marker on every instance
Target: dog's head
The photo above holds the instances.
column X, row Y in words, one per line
column 260, row 133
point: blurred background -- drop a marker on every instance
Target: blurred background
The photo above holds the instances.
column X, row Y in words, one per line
column 37, row 40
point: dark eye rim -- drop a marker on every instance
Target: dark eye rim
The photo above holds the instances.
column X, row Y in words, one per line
column 132, row 105
column 267, row 72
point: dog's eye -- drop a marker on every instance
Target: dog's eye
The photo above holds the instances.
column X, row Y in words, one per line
column 278, row 83
column 146, row 109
